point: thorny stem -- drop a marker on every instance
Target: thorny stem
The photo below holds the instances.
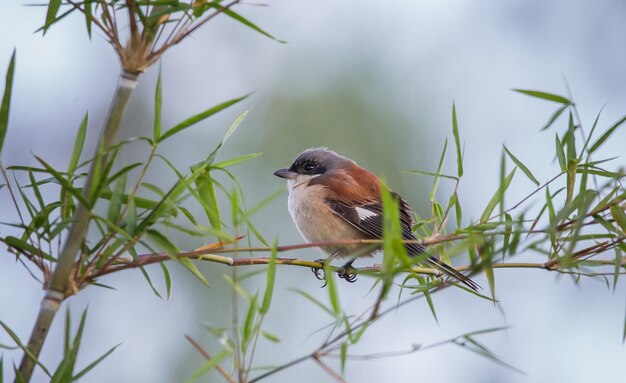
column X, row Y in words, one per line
column 56, row 289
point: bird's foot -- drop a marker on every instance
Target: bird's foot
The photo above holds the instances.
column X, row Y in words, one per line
column 319, row 273
column 347, row 273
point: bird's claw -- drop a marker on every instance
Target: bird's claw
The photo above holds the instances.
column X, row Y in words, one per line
column 346, row 274
column 319, row 273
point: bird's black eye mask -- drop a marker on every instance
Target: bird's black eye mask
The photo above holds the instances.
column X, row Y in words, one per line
column 309, row 167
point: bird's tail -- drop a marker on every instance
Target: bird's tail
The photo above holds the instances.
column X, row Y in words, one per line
column 449, row 270
column 415, row 249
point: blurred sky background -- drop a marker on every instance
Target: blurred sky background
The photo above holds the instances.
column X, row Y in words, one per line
column 374, row 81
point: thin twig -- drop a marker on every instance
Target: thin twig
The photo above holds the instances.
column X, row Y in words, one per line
column 534, row 192
column 327, row 368
column 208, row 357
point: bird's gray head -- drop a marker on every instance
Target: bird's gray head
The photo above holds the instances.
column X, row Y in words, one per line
column 312, row 163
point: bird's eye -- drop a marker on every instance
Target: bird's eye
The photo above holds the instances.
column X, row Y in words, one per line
column 309, row 167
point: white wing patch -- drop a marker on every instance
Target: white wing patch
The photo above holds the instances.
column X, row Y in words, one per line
column 364, row 213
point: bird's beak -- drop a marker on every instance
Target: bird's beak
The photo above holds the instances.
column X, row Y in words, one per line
column 285, row 173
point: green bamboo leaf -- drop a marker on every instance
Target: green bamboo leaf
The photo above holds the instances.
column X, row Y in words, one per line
column 236, row 161
column 425, row 173
column 25, row 349
column 457, row 142
column 560, row 153
column 545, row 96
column 209, row 365
column 194, row 270
column 6, row 100
column 93, row 364
column 27, row 248
column 572, row 166
column 593, row 129
column 51, row 15
column 431, row 196
column 332, row 290
column 235, row 124
column 123, row 171
column 247, row 331
column 149, row 280
column 270, row 337
column 115, row 206
column 36, row 190
column 485, row 253
column 522, row 167
column 393, row 246
column 79, row 143
column 606, row 135
column 18, row 375
column 162, row 242
column 206, row 193
column 271, row 278
column 87, row 10
column 158, row 107
column 555, row 116
column 570, row 139
column 199, row 117
column 497, row 197
column 64, row 182
column 249, row 24
column 507, row 233
column 618, row 215
column 343, row 353
column 312, row 299
column 428, row 297
column 167, row 278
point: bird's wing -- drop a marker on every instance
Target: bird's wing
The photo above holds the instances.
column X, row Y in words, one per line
column 367, row 217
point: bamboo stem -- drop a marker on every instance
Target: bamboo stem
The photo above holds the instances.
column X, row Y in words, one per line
column 55, row 293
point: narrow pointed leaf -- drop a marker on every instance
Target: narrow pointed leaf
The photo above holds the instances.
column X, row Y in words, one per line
column 236, row 161
column 271, row 278
column 94, row 363
column 249, row 24
column 457, row 142
column 521, row 166
column 167, row 278
column 619, row 216
column 431, row 196
column 606, row 135
column 51, row 14
column 199, row 117
column 158, row 107
column 332, row 290
column 209, row 365
column 6, row 101
column 314, row 300
column 497, row 197
column 79, row 143
column 88, row 16
column 560, row 153
column 555, row 116
column 545, row 96
column 431, row 174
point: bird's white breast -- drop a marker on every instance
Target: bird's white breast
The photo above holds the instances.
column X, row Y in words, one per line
column 315, row 220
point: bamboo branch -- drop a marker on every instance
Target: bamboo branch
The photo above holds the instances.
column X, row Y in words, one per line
column 55, row 292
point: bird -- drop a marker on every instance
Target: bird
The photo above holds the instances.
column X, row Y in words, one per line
column 332, row 198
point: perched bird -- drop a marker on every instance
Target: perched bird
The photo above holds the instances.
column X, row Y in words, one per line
column 331, row 198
